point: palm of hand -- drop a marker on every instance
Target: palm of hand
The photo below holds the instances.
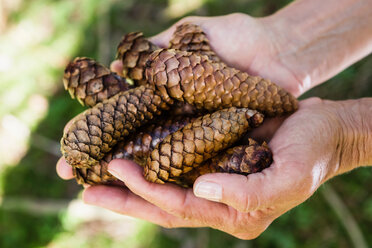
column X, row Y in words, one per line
column 246, row 43
column 248, row 204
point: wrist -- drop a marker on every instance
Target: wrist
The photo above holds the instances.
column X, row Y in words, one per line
column 316, row 45
column 355, row 145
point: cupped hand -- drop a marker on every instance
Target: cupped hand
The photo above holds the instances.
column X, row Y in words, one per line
column 305, row 151
column 241, row 41
column 250, row 44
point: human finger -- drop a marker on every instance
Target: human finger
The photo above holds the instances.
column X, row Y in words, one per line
column 171, row 198
column 117, row 67
column 64, row 170
column 122, row 201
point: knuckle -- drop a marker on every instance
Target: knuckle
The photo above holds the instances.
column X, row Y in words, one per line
column 183, row 209
column 246, row 228
column 168, row 224
column 250, row 202
column 237, row 15
column 247, row 236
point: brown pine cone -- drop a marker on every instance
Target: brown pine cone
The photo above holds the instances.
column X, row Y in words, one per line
column 140, row 144
column 95, row 83
column 198, row 141
column 199, row 80
column 136, row 147
column 209, row 85
column 133, row 51
column 97, row 130
column 93, row 175
column 187, row 180
column 90, row 82
column 191, row 38
column 245, row 159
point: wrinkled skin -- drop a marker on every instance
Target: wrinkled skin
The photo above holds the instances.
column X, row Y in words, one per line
column 238, row 48
column 307, row 148
column 303, row 160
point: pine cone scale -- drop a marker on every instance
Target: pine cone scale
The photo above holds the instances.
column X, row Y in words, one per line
column 191, row 76
column 214, row 131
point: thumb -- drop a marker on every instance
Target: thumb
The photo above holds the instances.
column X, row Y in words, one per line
column 246, row 193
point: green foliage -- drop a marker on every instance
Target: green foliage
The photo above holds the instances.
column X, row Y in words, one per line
column 19, row 229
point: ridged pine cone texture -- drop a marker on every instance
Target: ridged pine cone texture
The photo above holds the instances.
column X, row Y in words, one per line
column 90, row 82
column 135, row 147
column 244, row 159
column 133, row 51
column 191, row 38
column 209, row 85
column 97, row 130
column 93, row 175
column 190, row 77
column 198, row 141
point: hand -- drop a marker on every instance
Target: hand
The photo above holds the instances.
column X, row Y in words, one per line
column 246, row 43
column 308, row 149
column 236, row 47
column 297, row 47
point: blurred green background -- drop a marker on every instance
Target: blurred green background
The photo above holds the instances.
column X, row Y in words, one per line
column 38, row 209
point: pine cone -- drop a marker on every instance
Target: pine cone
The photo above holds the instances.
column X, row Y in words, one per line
column 93, row 175
column 90, row 82
column 136, row 147
column 133, row 51
column 198, row 141
column 245, row 159
column 242, row 159
column 209, row 85
column 97, row 130
column 111, row 129
column 191, row 38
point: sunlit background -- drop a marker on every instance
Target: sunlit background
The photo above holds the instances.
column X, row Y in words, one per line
column 38, row 209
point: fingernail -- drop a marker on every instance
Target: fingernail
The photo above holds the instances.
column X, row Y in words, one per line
column 208, row 190
column 114, row 173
